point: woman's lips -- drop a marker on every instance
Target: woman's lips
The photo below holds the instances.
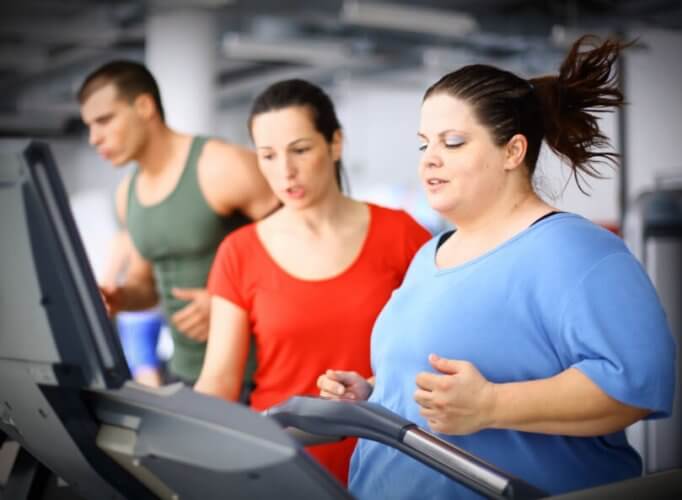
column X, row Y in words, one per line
column 295, row 192
column 434, row 184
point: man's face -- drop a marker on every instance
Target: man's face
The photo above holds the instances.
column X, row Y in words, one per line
column 116, row 128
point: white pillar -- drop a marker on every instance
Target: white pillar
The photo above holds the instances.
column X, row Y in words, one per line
column 181, row 53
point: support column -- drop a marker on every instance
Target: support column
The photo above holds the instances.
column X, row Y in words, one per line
column 181, row 52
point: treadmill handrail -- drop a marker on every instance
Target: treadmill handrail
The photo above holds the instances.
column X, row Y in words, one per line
column 329, row 417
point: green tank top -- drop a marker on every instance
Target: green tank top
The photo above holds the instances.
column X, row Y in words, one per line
column 180, row 236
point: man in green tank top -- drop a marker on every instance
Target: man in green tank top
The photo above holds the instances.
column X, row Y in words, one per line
column 184, row 196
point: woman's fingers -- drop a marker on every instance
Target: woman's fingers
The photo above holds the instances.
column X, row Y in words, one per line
column 427, row 381
column 329, row 387
column 344, row 377
column 342, row 384
column 423, row 398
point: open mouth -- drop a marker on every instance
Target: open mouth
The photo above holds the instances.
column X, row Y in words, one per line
column 435, row 182
column 295, row 191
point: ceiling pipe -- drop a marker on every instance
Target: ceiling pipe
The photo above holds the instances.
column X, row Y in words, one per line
column 440, row 22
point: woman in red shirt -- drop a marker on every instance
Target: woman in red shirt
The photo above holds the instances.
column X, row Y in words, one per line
column 309, row 280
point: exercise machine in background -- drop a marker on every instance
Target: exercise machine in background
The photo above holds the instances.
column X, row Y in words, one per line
column 653, row 231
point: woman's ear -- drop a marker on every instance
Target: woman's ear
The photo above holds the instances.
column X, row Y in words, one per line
column 515, row 151
column 337, row 145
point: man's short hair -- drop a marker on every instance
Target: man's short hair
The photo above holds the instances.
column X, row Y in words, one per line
column 130, row 78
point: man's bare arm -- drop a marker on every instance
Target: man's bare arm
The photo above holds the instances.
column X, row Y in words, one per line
column 231, row 180
column 138, row 290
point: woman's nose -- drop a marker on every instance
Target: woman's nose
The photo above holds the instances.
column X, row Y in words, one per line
column 287, row 167
column 430, row 159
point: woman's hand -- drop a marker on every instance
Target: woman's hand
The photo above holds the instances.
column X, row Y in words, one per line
column 458, row 400
column 338, row 384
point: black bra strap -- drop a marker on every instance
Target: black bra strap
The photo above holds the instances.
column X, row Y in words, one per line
column 444, row 237
column 447, row 235
column 547, row 216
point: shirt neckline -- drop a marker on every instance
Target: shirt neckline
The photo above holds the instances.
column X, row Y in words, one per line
column 363, row 249
column 193, row 144
column 521, row 234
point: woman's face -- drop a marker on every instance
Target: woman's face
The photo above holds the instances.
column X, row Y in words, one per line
column 294, row 157
column 461, row 168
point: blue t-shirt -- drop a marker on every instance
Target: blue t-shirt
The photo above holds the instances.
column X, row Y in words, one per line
column 563, row 293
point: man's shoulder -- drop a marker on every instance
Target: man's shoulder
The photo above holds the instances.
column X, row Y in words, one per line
column 220, row 160
column 220, row 150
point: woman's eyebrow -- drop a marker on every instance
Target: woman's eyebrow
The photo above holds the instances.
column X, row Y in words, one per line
column 299, row 140
column 444, row 132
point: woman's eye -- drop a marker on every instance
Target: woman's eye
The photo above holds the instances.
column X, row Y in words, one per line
column 267, row 157
column 300, row 151
column 422, row 147
column 453, row 142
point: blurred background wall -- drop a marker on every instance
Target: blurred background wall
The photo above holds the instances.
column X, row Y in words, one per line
column 212, row 57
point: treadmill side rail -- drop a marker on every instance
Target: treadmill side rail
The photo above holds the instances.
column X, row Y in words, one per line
column 366, row 420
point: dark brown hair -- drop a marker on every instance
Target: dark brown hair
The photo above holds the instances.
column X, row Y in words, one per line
column 556, row 108
column 297, row 92
column 130, row 78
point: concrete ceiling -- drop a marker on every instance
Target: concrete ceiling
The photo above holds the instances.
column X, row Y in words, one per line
column 47, row 47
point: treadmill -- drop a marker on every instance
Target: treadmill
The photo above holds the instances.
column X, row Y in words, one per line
column 75, row 426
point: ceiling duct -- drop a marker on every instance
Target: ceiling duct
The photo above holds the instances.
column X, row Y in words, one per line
column 390, row 16
column 301, row 51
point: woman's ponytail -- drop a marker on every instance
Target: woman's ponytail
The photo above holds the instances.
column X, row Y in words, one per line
column 586, row 85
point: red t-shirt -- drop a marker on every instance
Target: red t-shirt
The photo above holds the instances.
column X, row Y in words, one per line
column 303, row 327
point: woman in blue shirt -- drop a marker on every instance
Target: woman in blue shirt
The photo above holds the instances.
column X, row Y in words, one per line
column 529, row 337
